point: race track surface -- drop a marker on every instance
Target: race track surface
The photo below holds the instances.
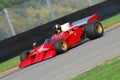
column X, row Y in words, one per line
column 73, row 62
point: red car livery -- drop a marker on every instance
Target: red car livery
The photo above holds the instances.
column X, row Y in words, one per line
column 67, row 35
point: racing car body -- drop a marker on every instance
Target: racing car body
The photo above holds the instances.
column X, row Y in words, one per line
column 70, row 34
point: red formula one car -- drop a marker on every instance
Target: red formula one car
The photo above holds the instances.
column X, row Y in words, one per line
column 66, row 36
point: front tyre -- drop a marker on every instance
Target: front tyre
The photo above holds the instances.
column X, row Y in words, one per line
column 24, row 55
column 94, row 30
column 60, row 46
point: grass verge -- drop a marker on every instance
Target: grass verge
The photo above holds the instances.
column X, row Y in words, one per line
column 110, row 70
column 110, row 21
column 11, row 63
column 15, row 61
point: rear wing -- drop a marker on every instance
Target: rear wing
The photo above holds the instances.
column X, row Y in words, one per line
column 80, row 22
column 84, row 21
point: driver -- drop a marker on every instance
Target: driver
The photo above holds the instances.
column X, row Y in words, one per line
column 57, row 28
column 57, row 31
column 62, row 28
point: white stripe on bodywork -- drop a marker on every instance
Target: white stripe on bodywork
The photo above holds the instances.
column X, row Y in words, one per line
column 81, row 22
column 66, row 26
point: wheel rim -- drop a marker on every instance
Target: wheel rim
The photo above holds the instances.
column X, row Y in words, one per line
column 99, row 28
column 63, row 45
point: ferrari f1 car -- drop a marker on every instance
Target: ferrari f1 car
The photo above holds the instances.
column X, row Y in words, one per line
column 65, row 37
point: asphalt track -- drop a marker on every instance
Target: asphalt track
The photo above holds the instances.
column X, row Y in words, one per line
column 73, row 62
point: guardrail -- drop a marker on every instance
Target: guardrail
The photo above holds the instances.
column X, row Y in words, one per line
column 12, row 47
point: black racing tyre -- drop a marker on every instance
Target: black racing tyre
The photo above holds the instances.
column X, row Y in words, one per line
column 24, row 55
column 94, row 30
column 60, row 46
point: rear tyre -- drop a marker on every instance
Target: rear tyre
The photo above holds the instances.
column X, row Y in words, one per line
column 94, row 30
column 24, row 55
column 60, row 46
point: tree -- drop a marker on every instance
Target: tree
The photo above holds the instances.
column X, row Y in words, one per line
column 10, row 3
column 3, row 34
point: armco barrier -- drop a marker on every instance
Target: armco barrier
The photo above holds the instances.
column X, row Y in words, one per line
column 13, row 46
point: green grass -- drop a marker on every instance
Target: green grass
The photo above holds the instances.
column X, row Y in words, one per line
column 9, row 64
column 110, row 70
column 15, row 61
column 110, row 21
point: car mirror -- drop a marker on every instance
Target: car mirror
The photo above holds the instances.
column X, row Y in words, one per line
column 34, row 44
